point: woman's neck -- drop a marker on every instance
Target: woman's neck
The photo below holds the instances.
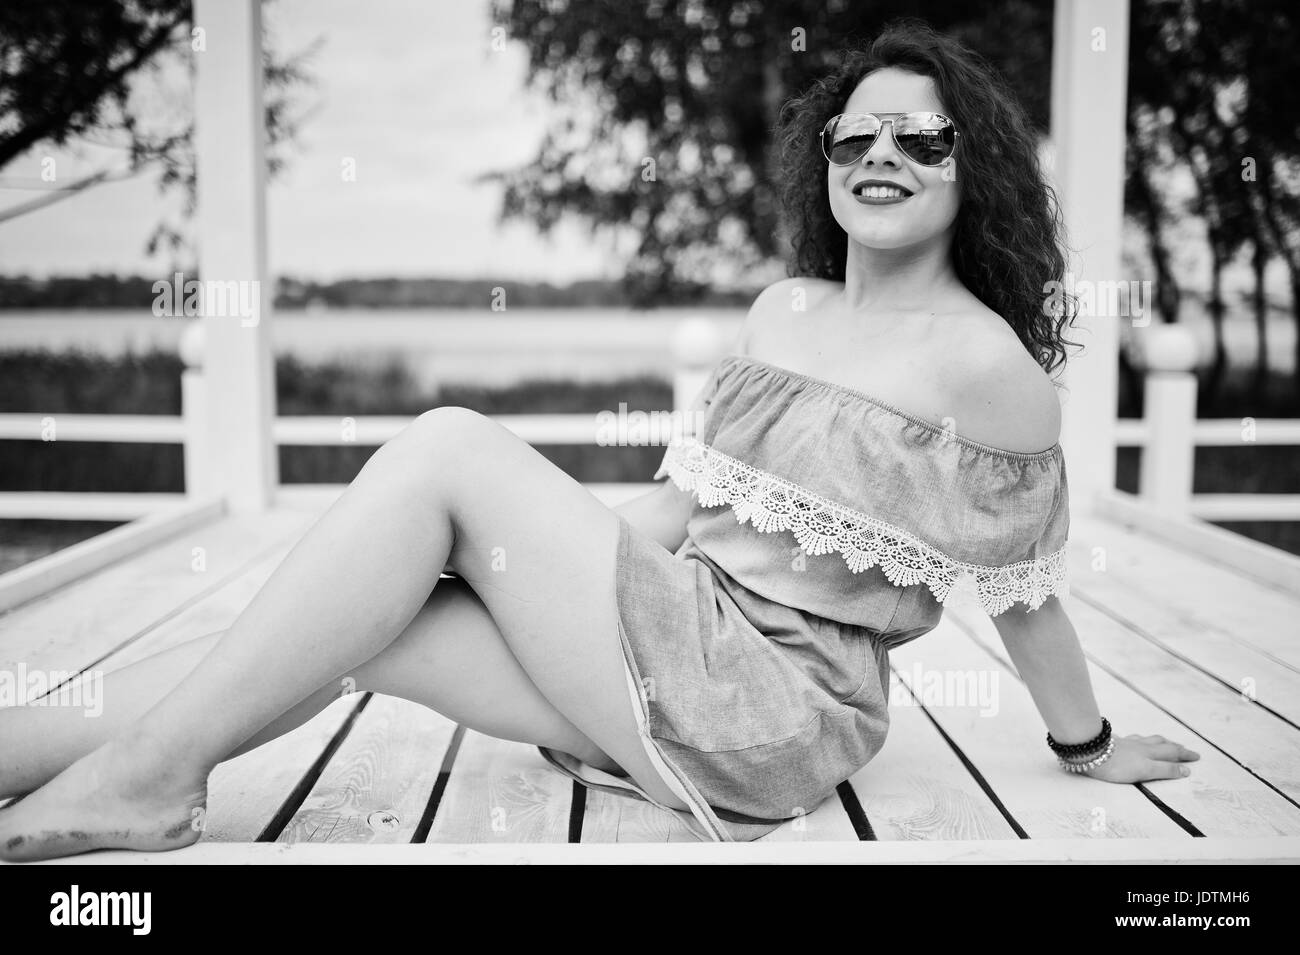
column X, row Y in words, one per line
column 887, row 282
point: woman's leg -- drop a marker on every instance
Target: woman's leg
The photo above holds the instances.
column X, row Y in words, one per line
column 453, row 489
column 451, row 658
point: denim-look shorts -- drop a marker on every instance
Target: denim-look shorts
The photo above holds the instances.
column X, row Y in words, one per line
column 753, row 712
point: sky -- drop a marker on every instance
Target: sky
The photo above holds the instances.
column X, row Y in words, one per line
column 413, row 92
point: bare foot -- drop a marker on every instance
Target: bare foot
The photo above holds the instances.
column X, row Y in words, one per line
column 105, row 800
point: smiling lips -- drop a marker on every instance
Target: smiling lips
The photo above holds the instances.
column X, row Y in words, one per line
column 877, row 192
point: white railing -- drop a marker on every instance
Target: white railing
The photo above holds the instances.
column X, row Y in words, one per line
column 1168, row 435
column 696, row 346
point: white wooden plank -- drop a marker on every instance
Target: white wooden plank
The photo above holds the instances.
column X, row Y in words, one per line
column 556, row 429
column 43, row 576
column 918, row 788
column 84, row 622
column 1267, row 565
column 1246, row 507
column 117, row 428
column 977, row 852
column 612, row 818
column 1109, row 559
column 214, row 611
column 1004, row 743
column 501, row 791
column 247, row 792
column 1170, row 624
column 828, row 822
column 1220, row 798
column 91, row 505
column 1256, row 739
column 376, row 787
column 1226, row 432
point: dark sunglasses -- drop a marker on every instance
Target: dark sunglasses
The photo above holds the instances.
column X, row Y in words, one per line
column 925, row 138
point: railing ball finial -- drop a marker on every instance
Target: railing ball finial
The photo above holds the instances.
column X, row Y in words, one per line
column 1169, row 348
column 193, row 344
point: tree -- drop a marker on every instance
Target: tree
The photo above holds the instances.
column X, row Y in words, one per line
column 665, row 113
column 71, row 70
column 1208, row 82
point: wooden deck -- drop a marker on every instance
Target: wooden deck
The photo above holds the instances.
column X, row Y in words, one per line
column 1178, row 645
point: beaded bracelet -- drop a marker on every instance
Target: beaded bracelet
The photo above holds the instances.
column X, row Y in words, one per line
column 1072, row 766
column 1093, row 745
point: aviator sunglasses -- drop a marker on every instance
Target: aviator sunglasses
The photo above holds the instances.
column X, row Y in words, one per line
column 925, row 138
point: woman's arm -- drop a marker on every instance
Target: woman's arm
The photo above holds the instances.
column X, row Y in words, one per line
column 1045, row 649
column 660, row 514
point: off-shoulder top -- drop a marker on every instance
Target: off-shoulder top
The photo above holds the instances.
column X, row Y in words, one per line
column 826, row 499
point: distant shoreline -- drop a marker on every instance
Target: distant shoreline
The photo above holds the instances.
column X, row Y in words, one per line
column 93, row 292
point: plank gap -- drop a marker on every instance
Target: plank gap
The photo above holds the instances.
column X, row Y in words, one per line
column 293, row 802
column 857, row 815
column 1170, row 811
column 1220, row 794
column 1138, row 630
column 176, row 611
column 577, row 811
column 421, row 833
column 1115, row 675
column 983, row 783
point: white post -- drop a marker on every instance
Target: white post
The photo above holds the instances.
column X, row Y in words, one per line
column 1089, row 98
column 1169, row 407
column 230, row 166
column 194, row 412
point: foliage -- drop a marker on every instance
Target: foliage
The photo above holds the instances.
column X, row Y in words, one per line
column 689, row 91
column 1210, row 95
column 74, row 72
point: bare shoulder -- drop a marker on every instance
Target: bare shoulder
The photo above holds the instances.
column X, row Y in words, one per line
column 780, row 304
column 1006, row 398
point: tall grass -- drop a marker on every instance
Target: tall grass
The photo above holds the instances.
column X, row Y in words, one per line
column 51, row 384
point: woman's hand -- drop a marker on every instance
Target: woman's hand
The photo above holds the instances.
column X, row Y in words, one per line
column 1137, row 759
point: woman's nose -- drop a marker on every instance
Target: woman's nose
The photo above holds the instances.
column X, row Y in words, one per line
column 882, row 150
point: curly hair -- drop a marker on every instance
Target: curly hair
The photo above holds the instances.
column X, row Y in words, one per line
column 1008, row 245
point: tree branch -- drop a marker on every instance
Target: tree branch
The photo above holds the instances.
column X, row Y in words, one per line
column 58, row 195
column 28, row 136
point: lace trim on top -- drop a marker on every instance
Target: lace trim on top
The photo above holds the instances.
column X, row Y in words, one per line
column 821, row 526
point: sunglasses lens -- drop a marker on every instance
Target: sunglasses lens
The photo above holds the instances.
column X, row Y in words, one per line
column 849, row 137
column 926, row 138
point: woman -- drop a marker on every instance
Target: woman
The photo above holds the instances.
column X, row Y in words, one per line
column 884, row 428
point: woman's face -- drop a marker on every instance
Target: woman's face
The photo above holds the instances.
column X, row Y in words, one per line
column 931, row 208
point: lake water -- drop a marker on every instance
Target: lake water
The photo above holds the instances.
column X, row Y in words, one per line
column 477, row 346
column 438, row 345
